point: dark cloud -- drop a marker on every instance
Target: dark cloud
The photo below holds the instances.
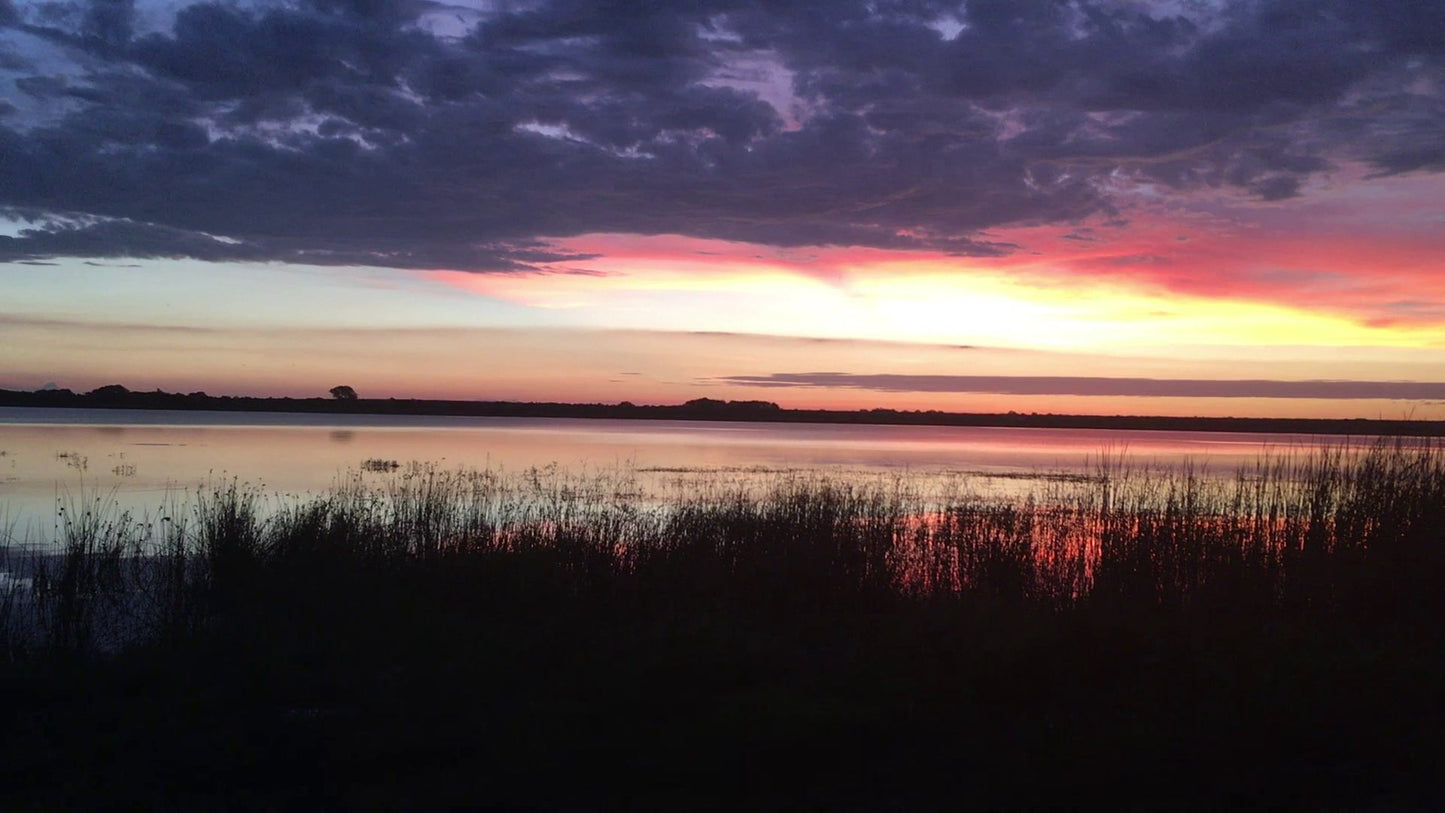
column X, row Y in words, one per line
column 124, row 238
column 41, row 87
column 1085, row 385
column 118, row 239
column 108, row 25
column 410, row 133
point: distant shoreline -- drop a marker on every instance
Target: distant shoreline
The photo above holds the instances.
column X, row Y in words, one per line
column 705, row 409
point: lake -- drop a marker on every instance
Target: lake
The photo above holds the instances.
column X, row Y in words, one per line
column 141, row 458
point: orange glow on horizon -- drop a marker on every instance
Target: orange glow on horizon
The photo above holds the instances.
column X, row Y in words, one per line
column 1086, row 298
column 1354, row 264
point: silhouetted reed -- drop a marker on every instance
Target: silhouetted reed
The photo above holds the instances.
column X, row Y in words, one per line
column 1329, row 531
column 1269, row 635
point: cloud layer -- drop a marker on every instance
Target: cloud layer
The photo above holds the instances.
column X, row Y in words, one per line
column 416, row 134
column 1095, row 386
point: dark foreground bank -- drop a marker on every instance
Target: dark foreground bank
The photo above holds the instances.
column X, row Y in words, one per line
column 115, row 396
column 462, row 639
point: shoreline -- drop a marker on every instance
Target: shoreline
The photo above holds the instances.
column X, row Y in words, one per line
column 704, row 409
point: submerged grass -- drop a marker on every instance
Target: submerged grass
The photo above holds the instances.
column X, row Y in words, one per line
column 1138, row 635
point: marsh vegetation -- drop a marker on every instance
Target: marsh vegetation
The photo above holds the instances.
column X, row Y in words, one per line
column 436, row 636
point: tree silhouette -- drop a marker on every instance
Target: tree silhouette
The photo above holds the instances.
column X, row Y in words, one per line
column 343, row 393
column 109, row 391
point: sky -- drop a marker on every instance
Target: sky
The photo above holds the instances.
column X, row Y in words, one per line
column 1184, row 207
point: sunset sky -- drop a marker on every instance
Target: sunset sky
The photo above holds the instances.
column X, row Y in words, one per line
column 1186, row 207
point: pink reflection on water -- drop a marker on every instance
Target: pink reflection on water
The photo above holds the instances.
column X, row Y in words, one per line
column 144, row 458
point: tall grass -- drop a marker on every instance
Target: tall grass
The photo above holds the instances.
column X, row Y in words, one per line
column 1332, row 533
column 446, row 638
column 12, row 593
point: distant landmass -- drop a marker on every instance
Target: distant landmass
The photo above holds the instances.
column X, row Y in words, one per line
column 346, row 402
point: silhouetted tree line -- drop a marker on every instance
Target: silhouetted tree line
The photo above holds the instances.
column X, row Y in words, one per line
column 344, row 400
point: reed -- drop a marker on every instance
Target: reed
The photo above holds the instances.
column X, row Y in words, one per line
column 1276, row 630
column 1330, row 531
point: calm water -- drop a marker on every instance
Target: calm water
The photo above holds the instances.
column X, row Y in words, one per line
column 142, row 458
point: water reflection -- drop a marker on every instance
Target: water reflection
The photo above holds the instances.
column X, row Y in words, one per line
column 142, row 460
